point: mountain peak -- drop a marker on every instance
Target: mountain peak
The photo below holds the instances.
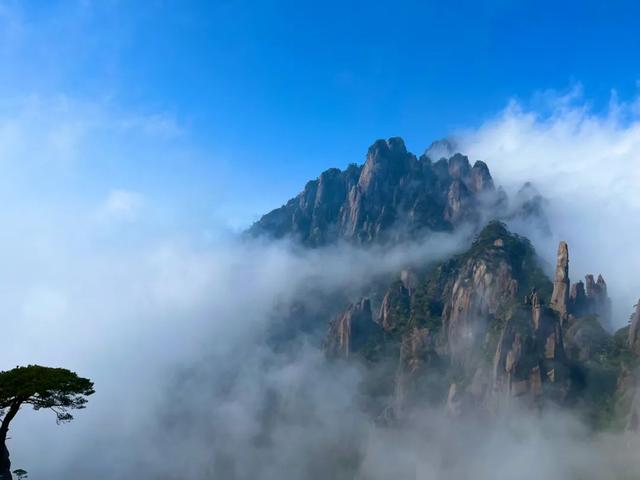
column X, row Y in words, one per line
column 393, row 144
column 443, row 148
column 393, row 195
column 387, row 160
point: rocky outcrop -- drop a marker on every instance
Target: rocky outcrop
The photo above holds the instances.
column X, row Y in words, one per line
column 416, row 377
column 578, row 299
column 482, row 286
column 590, row 298
column 488, row 280
column 486, row 329
column 350, row 332
column 561, row 283
column 516, row 366
column 393, row 195
column 447, row 318
column 597, row 299
column 586, row 339
column 633, row 341
column 529, row 362
column 547, row 332
column 395, row 307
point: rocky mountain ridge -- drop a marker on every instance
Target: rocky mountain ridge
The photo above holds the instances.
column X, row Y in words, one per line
column 393, row 196
column 483, row 331
column 487, row 329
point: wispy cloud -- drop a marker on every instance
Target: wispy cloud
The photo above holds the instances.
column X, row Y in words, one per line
column 588, row 164
column 122, row 205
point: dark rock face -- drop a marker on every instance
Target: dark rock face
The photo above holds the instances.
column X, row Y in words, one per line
column 578, row 298
column 394, row 195
column 592, row 300
column 586, row 338
column 352, row 330
column 597, row 301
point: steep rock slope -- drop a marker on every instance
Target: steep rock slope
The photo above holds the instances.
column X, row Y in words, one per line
column 487, row 329
column 394, row 195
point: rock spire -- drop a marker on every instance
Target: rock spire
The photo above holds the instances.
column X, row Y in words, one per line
column 561, row 283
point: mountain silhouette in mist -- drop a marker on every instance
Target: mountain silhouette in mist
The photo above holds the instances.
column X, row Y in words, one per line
column 482, row 331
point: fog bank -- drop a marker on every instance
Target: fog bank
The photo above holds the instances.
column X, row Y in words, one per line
column 172, row 324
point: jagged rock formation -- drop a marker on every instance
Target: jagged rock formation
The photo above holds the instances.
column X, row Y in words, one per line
column 393, row 195
column 487, row 330
column 586, row 339
column 592, row 300
column 530, row 355
column 418, row 374
column 561, row 283
column 574, row 299
column 597, row 301
column 482, row 286
column 352, row 330
column 578, row 298
column 460, row 314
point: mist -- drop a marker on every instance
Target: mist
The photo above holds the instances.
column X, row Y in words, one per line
column 172, row 324
column 161, row 325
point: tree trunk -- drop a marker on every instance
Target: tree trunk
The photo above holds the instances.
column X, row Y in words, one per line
column 5, row 462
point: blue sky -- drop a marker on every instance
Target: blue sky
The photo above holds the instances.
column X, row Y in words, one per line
column 225, row 108
column 135, row 134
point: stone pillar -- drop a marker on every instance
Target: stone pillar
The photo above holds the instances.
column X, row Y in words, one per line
column 561, row 284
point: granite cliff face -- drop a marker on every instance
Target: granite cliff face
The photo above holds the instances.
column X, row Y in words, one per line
column 488, row 330
column 485, row 330
column 561, row 283
column 574, row 300
column 467, row 313
column 352, row 330
column 394, row 195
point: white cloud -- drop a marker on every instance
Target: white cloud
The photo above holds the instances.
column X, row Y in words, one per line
column 588, row 165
